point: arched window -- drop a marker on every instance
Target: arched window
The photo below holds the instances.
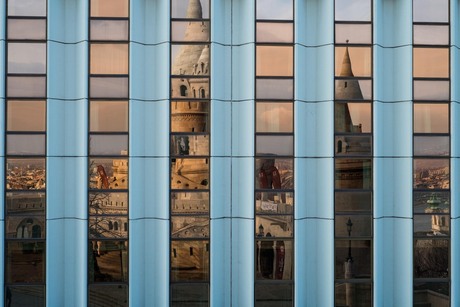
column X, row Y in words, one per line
column 203, row 93
column 183, row 91
column 110, row 225
column 115, row 226
column 339, row 146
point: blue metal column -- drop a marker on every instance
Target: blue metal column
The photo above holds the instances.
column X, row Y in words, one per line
column 392, row 153
column 148, row 153
column 2, row 147
column 66, row 167
column 314, row 162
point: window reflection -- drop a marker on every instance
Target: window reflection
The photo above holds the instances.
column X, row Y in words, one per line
column 179, row 9
column 26, row 86
column 28, row 225
column 353, row 173
column 188, row 31
column 25, row 203
column 109, row 30
column 189, row 227
column 353, row 89
column 108, row 227
column 434, row 223
column 361, row 225
column 27, row 8
column 431, row 145
column 431, row 174
column 190, row 202
column 357, row 294
column 431, row 35
column 25, row 262
column 431, row 90
column 431, row 10
column 431, row 62
column 198, row 110
column 274, row 89
column 279, row 226
column 25, row 174
column 190, row 173
column 27, row 58
column 189, row 260
column 346, row 145
column 109, row 59
column 274, row 117
column 356, row 201
column 431, row 118
column 426, row 291
column 274, row 258
column 189, row 145
column 26, row 115
column 278, row 145
column 274, row 60
column 100, row 144
column 353, row 117
column 274, row 32
column 191, row 59
column 353, row 10
column 274, row 173
column 431, row 258
column 274, row 203
column 360, row 253
column 108, row 173
column 27, row 29
column 27, row 295
column 353, row 61
column 274, row 9
column 108, row 261
column 428, row 202
column 118, row 295
column 353, row 33
column 105, row 87
column 109, row 8
column 198, row 293
column 25, row 144
column 104, row 203
column 108, row 116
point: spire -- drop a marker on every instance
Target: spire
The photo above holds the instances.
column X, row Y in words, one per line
column 194, row 9
column 346, row 65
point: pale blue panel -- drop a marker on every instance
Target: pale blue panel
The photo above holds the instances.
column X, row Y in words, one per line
column 455, row 96
column 243, row 21
column 314, row 262
column 149, row 21
column 149, row 128
column 67, row 127
column 455, row 187
column 63, row 15
column 243, row 176
column 243, row 127
column 242, row 259
column 314, row 22
column 314, row 129
column 2, row 132
column 243, row 73
column 392, row 187
column 66, row 262
column 314, row 188
column 149, row 188
column 221, row 187
column 314, row 73
column 221, row 251
column 221, row 73
column 148, row 262
column 66, row 187
column 2, row 54
column 393, row 256
column 149, row 71
column 455, row 22
column 393, row 129
column 221, row 125
column 2, row 250
column 454, row 263
column 393, row 23
column 221, row 22
column 2, row 187
column 393, row 74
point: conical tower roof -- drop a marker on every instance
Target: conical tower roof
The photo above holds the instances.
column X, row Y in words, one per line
column 347, row 89
column 194, row 10
column 346, row 65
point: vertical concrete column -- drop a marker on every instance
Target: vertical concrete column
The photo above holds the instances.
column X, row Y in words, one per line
column 455, row 151
column 314, row 153
column 148, row 153
column 221, row 155
column 392, row 114
column 2, row 145
column 66, row 166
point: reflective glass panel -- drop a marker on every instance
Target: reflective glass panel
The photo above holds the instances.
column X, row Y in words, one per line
column 26, row 29
column 431, row 145
column 357, row 292
column 108, row 261
column 274, row 9
column 108, row 116
column 431, row 258
column 431, row 10
column 274, row 202
column 109, row 30
column 279, row 145
column 180, row 9
column 353, row 173
column 117, row 294
column 109, row 58
column 431, row 62
column 353, row 202
column 27, row 58
column 349, row 145
column 353, row 33
column 189, row 227
column 353, row 117
column 25, row 144
column 434, row 223
column 189, row 260
column 427, row 202
column 425, row 291
column 274, row 61
column 183, row 111
column 431, row 90
column 431, row 174
column 190, row 174
column 279, row 226
column 108, row 227
column 190, row 203
column 32, row 226
column 108, row 203
column 25, row 174
column 360, row 58
column 353, row 10
column 274, row 259
column 353, row 89
column 26, row 7
column 26, row 295
column 25, row 203
column 26, row 115
column 109, row 173
column 190, row 294
column 100, row 144
column 190, row 31
column 25, row 262
column 359, row 226
column 273, row 295
column 360, row 251
column 271, row 173
column 431, row 118
column 431, row 35
column 274, row 88
column 274, row 32
column 26, row 86
column 194, row 87
column 189, row 145
column 109, row 8
column 274, row 117
column 103, row 87
column 190, row 59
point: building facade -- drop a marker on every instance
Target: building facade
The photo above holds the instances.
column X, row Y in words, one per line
column 230, row 153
